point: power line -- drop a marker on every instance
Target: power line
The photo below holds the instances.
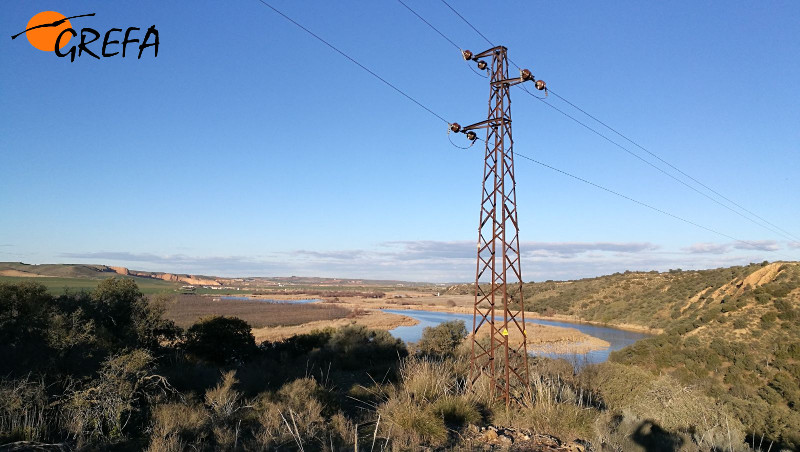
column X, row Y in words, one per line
column 793, row 237
column 353, row 60
column 476, row 30
column 467, row 22
column 521, row 155
column 429, row 24
column 637, row 201
column 442, row 35
column 777, row 229
column 656, row 167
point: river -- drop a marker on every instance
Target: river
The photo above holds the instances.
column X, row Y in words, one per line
column 617, row 338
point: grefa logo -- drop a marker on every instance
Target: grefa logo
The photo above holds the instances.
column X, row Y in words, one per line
column 51, row 31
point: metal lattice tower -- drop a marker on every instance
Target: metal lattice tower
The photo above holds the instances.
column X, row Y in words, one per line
column 499, row 342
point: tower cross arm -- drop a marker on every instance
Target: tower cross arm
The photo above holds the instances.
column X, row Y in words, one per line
column 491, row 122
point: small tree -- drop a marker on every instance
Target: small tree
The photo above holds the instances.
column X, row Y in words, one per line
column 221, row 340
column 442, row 340
column 125, row 317
column 25, row 310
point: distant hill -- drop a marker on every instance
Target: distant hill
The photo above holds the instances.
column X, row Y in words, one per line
column 95, row 272
column 19, row 269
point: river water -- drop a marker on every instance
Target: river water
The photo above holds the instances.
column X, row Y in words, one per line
column 617, row 338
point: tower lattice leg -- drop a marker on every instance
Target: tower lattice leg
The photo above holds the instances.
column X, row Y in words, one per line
column 499, row 342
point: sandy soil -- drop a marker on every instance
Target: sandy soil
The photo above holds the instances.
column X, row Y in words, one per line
column 550, row 339
column 21, row 274
column 371, row 319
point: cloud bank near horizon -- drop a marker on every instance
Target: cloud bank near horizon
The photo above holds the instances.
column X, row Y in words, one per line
column 450, row 261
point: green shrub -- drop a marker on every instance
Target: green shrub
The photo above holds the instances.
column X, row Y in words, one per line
column 357, row 347
column 442, row 340
column 125, row 317
column 787, row 387
column 768, row 318
column 221, row 340
column 740, row 323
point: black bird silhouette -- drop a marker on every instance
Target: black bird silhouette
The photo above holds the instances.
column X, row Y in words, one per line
column 53, row 24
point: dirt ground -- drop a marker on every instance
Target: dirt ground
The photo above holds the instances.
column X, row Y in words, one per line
column 371, row 319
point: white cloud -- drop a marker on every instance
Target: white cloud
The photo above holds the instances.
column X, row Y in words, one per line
column 708, row 248
column 446, row 261
column 760, row 245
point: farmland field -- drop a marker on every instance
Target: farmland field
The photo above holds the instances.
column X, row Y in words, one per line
column 187, row 309
column 57, row 286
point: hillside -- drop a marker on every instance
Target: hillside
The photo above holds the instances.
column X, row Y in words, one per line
column 652, row 299
column 739, row 343
column 733, row 333
column 71, row 272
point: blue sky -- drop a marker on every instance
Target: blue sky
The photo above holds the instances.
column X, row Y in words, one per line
column 249, row 148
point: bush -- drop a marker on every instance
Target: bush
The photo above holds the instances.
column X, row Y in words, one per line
column 223, row 400
column 357, row 347
column 100, row 411
column 768, row 318
column 787, row 387
column 442, row 340
column 25, row 310
column 178, row 426
column 126, row 318
column 23, row 410
column 412, row 426
column 297, row 404
column 221, row 340
column 457, row 411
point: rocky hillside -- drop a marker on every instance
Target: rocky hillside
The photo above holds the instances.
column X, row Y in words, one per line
column 85, row 271
column 732, row 333
column 657, row 300
column 18, row 269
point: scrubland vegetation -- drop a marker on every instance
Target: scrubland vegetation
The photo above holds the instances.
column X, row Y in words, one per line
column 106, row 370
column 730, row 334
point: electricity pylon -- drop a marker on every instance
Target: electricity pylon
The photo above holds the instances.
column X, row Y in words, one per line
column 499, row 344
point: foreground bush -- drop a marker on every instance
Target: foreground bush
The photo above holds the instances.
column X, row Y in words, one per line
column 428, row 403
column 221, row 340
column 638, row 395
column 442, row 340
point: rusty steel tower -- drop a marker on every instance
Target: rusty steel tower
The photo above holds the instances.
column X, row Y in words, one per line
column 499, row 337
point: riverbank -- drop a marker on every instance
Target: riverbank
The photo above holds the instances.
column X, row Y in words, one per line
column 372, row 319
column 541, row 338
column 461, row 304
column 552, row 339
